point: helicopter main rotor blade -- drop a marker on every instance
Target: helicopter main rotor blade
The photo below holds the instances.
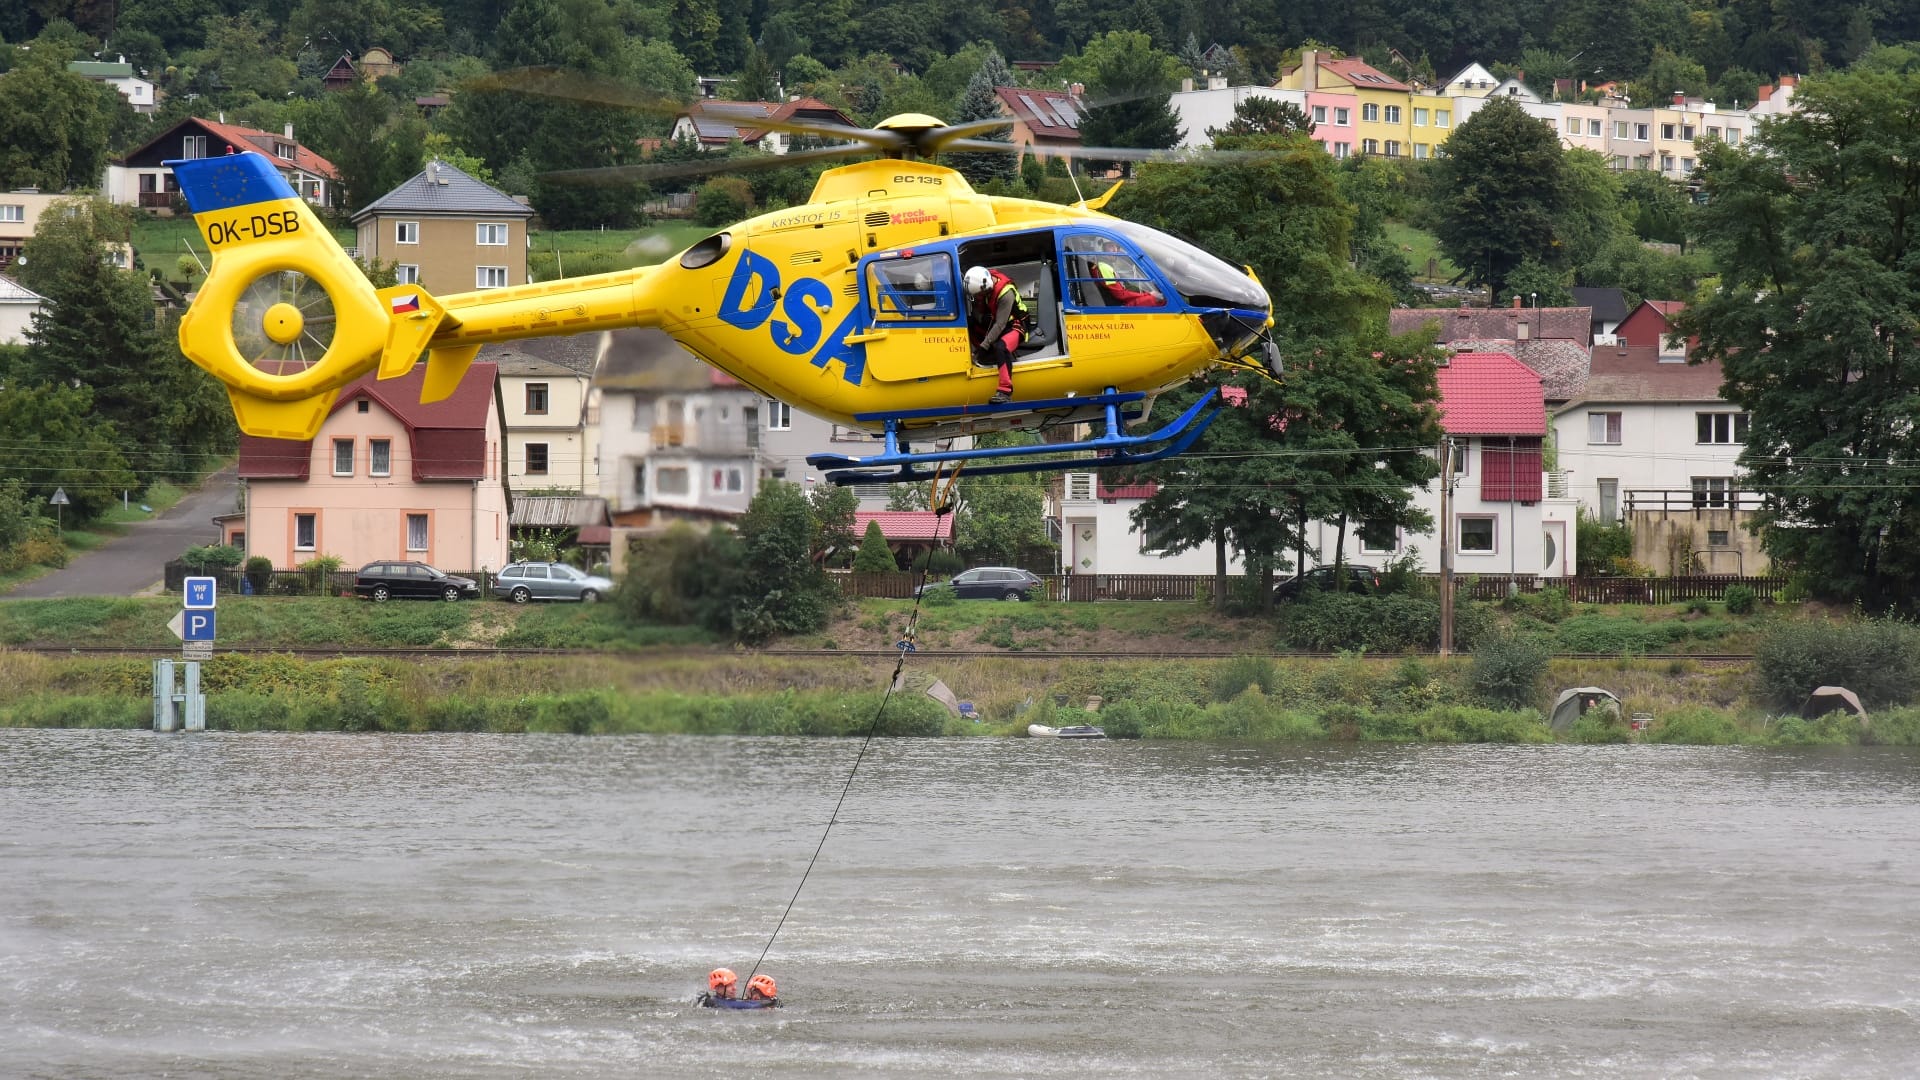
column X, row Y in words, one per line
column 560, row 84
column 882, row 141
column 647, row 173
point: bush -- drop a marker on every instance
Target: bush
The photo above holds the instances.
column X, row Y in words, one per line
column 874, row 556
column 1507, row 670
column 203, row 560
column 1741, row 599
column 320, row 570
column 1235, row 675
column 1877, row 659
column 1333, row 622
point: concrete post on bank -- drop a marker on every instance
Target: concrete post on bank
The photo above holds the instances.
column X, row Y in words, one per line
column 174, row 710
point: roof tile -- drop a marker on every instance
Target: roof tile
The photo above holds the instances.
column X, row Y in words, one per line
column 1488, row 393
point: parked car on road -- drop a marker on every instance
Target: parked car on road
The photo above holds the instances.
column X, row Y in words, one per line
column 525, row 581
column 990, row 583
column 1359, row 579
column 412, row 581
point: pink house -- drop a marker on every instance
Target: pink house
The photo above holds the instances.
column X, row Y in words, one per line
column 386, row 478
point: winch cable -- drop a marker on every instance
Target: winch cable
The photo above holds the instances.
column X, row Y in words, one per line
column 942, row 500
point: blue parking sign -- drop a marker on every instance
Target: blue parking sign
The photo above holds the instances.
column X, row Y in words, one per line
column 199, row 594
column 198, row 626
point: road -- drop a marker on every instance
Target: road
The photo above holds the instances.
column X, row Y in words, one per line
column 134, row 563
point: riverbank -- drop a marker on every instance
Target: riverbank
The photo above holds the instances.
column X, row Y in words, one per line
column 1250, row 698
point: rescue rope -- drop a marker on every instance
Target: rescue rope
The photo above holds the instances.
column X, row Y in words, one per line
column 941, row 498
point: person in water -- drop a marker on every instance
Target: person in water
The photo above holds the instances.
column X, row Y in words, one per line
column 721, row 983
column 761, row 988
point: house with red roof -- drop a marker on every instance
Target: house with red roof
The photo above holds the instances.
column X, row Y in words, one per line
column 1648, row 325
column 716, row 124
column 1504, row 520
column 1045, row 122
column 387, row 477
column 1650, row 441
column 141, row 178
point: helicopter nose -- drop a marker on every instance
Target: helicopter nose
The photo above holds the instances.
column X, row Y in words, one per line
column 1234, row 330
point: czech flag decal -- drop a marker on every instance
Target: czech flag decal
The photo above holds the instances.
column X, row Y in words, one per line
column 409, row 302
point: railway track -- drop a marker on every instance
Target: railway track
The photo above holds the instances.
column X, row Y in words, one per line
column 402, row 652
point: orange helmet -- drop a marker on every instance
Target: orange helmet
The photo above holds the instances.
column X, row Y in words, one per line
column 722, row 980
column 762, row 985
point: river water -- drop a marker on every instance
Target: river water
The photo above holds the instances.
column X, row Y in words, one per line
column 222, row 905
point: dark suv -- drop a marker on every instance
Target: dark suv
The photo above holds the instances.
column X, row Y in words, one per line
column 1359, row 579
column 411, row 581
column 991, row 583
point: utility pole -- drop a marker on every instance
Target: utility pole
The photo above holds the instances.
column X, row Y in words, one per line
column 1446, row 547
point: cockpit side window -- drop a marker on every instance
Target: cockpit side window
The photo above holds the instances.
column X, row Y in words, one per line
column 1102, row 273
column 918, row 288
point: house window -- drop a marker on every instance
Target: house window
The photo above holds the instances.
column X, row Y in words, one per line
column 1603, row 428
column 1391, row 114
column 283, row 150
column 1609, row 500
column 416, row 532
column 1319, row 114
column 640, row 481
column 1573, row 125
column 1442, row 117
column 1342, row 117
column 343, row 457
column 1686, row 132
column 1640, row 132
column 306, row 532
column 1369, row 146
column 406, row 232
column 1593, row 129
column 536, row 459
column 1393, row 147
column 406, row 274
column 727, row 480
column 489, row 277
column 1666, row 131
column 536, row 399
column 1342, row 149
column 672, row 480
column 1420, row 151
column 380, row 457
column 1717, row 538
column 1733, row 136
column 1379, row 536
column 1370, row 113
column 1686, row 165
column 193, row 147
column 1620, row 161
column 1722, row 427
column 12, row 212
column 1477, row 534
column 1713, row 132
column 1712, row 491
column 1462, row 455
column 1619, row 129
column 1419, row 118
column 363, row 405
column 779, row 416
column 490, row 235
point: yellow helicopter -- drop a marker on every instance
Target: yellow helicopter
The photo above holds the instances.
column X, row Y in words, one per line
column 850, row 306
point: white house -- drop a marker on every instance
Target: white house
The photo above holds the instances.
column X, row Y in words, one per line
column 1652, row 441
column 120, row 76
column 17, row 305
column 1212, row 106
column 551, row 407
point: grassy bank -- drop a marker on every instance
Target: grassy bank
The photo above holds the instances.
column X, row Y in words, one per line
column 1248, row 698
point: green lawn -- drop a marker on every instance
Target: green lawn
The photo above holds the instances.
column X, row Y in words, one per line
column 1422, row 252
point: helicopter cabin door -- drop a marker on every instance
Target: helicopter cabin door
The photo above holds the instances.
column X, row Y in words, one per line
column 919, row 325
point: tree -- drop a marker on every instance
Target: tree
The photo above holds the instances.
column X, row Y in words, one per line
column 979, row 102
column 1812, row 231
column 1002, row 519
column 875, row 556
column 54, row 125
column 375, row 146
column 833, row 507
column 1500, row 192
column 781, row 589
column 55, row 441
column 1264, row 116
column 758, row 80
column 1128, row 81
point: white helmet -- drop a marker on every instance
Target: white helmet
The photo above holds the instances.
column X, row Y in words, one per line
column 979, row 279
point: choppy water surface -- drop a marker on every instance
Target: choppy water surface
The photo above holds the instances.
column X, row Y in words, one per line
column 509, row 906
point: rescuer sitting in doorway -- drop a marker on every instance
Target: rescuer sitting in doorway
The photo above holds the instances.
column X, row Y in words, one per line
column 998, row 322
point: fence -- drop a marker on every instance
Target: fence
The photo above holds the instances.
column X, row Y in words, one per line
column 1190, row 587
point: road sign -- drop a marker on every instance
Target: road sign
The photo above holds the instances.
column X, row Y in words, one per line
column 199, row 594
column 178, row 624
column 59, row 497
column 198, row 627
column 196, row 650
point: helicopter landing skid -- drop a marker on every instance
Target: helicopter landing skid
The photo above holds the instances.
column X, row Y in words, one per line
column 897, row 464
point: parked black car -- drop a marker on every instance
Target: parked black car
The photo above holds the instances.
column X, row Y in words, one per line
column 990, row 583
column 1359, row 579
column 412, row 581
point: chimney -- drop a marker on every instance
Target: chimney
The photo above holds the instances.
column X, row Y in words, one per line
column 1516, row 302
column 222, row 114
column 1679, row 97
column 288, row 131
column 1078, row 90
column 1216, row 82
column 1186, row 86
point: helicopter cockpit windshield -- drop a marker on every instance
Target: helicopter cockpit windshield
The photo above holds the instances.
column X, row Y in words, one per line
column 1201, row 279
